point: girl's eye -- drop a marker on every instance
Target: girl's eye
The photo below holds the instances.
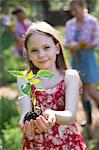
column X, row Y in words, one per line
column 34, row 50
column 46, row 47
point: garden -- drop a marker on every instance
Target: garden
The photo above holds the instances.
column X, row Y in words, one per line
column 10, row 133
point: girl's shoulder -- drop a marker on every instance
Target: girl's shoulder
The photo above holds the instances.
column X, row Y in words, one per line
column 71, row 74
column 72, row 78
column 92, row 20
column 70, row 22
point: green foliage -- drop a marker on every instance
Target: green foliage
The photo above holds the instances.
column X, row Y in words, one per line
column 45, row 74
column 5, row 5
column 96, row 11
column 26, row 88
column 93, row 144
column 11, row 139
column 17, row 73
column 8, row 59
column 36, row 81
column 8, row 109
column 10, row 134
column 31, row 79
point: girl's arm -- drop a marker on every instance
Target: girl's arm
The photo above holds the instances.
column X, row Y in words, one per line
column 72, row 85
column 24, row 102
column 68, row 116
column 94, row 43
column 95, row 35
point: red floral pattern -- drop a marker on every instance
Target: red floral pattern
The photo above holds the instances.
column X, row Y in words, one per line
column 60, row 137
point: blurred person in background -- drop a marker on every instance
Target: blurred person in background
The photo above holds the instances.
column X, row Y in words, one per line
column 20, row 27
column 81, row 38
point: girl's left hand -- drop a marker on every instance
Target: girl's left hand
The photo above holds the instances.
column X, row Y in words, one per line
column 43, row 123
column 49, row 114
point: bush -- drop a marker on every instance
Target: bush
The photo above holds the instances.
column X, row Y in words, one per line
column 8, row 110
column 11, row 139
column 10, row 134
column 96, row 11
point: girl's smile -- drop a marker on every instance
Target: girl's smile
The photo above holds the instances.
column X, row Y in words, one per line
column 42, row 53
column 43, row 61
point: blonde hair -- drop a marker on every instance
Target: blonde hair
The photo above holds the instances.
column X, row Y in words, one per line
column 45, row 28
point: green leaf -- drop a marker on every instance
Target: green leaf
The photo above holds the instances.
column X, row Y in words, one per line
column 34, row 101
column 17, row 73
column 35, row 81
column 45, row 74
column 39, row 87
column 30, row 75
column 26, row 88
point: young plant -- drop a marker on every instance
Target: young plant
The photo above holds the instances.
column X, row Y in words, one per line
column 31, row 79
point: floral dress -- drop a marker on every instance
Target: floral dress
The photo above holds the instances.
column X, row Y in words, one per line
column 59, row 137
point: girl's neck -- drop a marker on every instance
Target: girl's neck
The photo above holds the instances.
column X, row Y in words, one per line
column 80, row 19
column 21, row 21
column 50, row 83
column 54, row 69
column 79, row 22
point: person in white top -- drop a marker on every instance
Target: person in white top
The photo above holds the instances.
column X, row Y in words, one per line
column 56, row 128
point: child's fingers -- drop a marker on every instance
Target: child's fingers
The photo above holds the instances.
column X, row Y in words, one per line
column 45, row 115
column 41, row 123
column 37, row 131
column 21, row 123
column 44, row 121
column 27, row 129
column 37, row 125
column 24, row 128
column 52, row 119
column 32, row 127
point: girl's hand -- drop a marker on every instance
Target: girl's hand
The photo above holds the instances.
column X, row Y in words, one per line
column 50, row 116
column 28, row 129
column 83, row 44
column 21, row 122
column 74, row 50
column 43, row 123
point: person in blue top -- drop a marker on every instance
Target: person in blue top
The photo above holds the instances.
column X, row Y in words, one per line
column 82, row 37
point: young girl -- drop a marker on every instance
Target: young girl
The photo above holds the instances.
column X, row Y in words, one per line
column 82, row 37
column 56, row 129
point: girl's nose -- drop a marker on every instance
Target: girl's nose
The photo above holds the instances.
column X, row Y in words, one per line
column 41, row 53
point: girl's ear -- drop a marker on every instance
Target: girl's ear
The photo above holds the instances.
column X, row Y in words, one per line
column 58, row 48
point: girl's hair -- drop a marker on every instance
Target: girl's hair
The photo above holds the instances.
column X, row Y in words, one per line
column 80, row 3
column 17, row 10
column 44, row 28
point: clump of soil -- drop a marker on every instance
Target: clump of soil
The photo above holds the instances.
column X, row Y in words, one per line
column 33, row 114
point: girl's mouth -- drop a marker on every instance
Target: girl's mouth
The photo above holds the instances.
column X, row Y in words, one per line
column 43, row 61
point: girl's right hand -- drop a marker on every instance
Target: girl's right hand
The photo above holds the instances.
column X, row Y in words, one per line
column 27, row 128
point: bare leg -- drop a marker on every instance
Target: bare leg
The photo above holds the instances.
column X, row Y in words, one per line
column 93, row 93
column 88, row 110
column 85, row 94
column 87, row 105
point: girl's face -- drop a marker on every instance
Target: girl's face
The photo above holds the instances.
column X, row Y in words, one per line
column 21, row 16
column 42, row 51
column 77, row 11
